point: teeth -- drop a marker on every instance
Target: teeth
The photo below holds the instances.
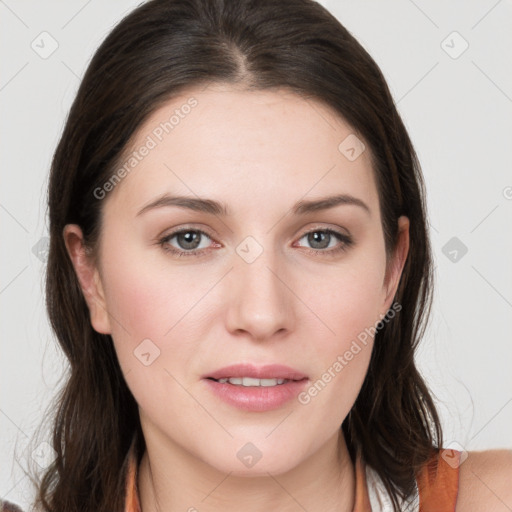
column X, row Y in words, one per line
column 249, row 381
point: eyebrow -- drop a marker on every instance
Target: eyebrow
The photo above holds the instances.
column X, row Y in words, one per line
column 216, row 208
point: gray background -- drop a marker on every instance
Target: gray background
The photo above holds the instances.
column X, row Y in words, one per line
column 457, row 106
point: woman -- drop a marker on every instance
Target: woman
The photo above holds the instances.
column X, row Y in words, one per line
column 239, row 274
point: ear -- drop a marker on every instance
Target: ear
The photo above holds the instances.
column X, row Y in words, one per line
column 88, row 277
column 396, row 264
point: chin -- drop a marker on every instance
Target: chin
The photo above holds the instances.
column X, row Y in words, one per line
column 249, row 461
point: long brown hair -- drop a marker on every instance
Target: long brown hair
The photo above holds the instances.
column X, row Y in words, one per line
column 156, row 52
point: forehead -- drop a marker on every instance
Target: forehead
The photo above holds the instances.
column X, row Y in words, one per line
column 242, row 147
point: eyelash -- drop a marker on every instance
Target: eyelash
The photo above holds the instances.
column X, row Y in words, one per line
column 347, row 243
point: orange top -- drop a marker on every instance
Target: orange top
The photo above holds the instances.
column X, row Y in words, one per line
column 437, row 486
column 439, row 483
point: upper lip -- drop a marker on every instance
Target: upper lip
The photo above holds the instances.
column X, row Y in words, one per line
column 271, row 371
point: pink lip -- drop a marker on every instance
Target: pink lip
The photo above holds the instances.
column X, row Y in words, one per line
column 272, row 371
column 257, row 398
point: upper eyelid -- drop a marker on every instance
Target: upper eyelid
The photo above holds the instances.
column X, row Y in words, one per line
column 309, row 230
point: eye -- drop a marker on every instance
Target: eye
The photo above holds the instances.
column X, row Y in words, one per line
column 327, row 241
column 193, row 242
column 188, row 242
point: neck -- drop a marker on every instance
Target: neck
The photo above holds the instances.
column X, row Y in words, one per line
column 171, row 480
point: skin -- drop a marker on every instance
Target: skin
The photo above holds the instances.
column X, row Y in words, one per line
column 484, row 482
column 259, row 153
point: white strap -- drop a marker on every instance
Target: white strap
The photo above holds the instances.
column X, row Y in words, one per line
column 379, row 497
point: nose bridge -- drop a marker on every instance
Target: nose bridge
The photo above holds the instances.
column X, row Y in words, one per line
column 260, row 302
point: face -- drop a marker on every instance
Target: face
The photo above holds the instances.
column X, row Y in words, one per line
column 187, row 289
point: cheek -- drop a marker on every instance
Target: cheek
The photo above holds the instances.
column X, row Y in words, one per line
column 349, row 301
column 150, row 307
column 150, row 318
column 350, row 306
column 147, row 297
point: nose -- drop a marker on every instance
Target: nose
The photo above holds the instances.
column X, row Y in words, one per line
column 261, row 301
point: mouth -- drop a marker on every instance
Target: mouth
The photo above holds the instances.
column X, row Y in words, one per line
column 256, row 389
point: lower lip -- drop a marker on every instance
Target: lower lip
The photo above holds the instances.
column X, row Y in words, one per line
column 257, row 398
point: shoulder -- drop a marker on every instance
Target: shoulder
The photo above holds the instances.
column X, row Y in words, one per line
column 485, row 482
column 7, row 506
